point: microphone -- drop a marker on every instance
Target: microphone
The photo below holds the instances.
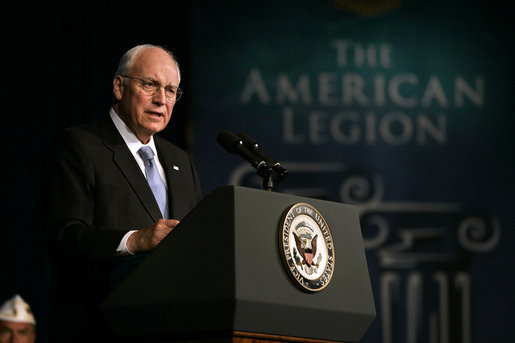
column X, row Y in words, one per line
column 253, row 146
column 269, row 169
column 234, row 145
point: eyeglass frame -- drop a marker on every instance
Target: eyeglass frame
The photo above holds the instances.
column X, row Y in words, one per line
column 157, row 87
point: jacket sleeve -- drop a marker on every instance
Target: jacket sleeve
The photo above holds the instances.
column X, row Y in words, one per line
column 68, row 203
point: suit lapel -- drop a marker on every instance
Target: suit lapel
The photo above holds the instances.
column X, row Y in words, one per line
column 125, row 162
column 171, row 168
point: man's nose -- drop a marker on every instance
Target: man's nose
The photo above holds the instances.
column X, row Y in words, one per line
column 160, row 96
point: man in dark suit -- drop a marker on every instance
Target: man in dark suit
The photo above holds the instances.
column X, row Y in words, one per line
column 98, row 203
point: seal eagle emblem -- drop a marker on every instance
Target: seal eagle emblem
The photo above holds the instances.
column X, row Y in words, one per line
column 306, row 247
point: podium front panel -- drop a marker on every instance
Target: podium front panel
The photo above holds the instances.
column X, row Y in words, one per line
column 220, row 270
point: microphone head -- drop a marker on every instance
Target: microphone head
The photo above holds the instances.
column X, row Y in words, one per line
column 247, row 140
column 228, row 140
column 253, row 146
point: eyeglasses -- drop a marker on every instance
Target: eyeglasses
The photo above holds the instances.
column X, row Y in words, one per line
column 151, row 87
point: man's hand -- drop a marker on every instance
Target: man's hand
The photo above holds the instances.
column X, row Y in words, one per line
column 147, row 238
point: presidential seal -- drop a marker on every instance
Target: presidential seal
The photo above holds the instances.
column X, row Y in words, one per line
column 306, row 247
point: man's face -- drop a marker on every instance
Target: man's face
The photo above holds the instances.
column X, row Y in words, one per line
column 146, row 114
column 11, row 332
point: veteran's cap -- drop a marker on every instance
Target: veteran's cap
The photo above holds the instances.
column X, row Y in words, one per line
column 17, row 310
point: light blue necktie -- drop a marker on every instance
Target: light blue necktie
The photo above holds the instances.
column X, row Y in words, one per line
column 154, row 179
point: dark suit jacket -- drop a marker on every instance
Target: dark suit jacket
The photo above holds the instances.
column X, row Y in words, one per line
column 93, row 193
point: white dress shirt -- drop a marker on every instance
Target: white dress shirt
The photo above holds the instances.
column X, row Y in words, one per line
column 134, row 144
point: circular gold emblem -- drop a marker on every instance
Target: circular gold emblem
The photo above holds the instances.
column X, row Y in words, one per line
column 306, row 247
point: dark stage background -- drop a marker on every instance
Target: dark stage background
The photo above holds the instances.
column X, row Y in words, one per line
column 403, row 108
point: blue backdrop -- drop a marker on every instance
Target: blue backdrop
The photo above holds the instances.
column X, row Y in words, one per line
column 401, row 108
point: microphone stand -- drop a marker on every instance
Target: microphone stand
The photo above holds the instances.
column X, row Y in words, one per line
column 271, row 174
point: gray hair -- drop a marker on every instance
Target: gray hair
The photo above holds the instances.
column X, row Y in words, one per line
column 127, row 59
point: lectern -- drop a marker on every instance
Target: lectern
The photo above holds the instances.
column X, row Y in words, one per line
column 220, row 276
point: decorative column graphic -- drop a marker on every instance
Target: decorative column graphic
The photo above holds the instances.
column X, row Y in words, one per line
column 423, row 251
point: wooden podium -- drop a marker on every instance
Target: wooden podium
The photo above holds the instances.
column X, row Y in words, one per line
column 219, row 277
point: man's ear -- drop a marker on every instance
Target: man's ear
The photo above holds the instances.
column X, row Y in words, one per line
column 118, row 87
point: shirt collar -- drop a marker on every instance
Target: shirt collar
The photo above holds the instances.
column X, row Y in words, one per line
column 128, row 136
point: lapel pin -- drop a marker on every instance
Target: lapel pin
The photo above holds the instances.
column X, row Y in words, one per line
column 175, row 167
